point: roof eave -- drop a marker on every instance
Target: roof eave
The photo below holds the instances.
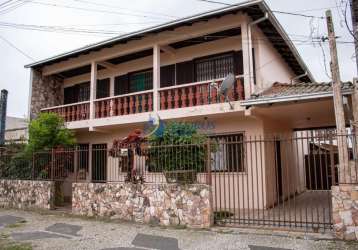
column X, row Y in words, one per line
column 287, row 40
column 150, row 29
column 281, row 99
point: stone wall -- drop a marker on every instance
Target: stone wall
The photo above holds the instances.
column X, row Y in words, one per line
column 345, row 211
column 46, row 91
column 162, row 204
column 26, row 194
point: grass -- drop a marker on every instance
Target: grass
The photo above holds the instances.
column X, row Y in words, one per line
column 17, row 224
column 10, row 245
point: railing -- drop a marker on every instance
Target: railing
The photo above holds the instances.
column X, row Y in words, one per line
column 271, row 180
column 196, row 94
column 135, row 103
column 186, row 95
column 71, row 112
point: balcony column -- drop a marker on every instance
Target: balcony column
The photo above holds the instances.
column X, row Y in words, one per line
column 246, row 41
column 93, row 90
column 156, row 77
column 111, row 93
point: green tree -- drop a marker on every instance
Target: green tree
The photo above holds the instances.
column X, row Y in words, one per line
column 180, row 147
column 48, row 131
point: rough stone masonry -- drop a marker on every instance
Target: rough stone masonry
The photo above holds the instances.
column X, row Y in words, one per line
column 26, row 194
column 345, row 211
column 162, row 204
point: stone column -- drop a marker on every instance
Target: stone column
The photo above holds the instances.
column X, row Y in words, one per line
column 345, row 211
column 45, row 92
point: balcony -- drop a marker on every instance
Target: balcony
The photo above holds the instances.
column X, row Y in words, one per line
column 169, row 98
column 71, row 112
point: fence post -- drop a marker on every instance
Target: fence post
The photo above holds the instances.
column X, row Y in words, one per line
column 52, row 161
column 208, row 163
column 76, row 161
column 33, row 166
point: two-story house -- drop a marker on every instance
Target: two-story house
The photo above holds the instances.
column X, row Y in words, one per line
column 108, row 89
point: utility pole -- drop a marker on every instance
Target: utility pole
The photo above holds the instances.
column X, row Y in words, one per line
column 3, row 104
column 354, row 12
column 338, row 102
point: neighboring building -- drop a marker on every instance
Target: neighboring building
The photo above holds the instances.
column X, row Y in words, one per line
column 16, row 129
column 106, row 90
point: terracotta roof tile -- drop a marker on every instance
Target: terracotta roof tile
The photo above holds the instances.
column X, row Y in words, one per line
column 285, row 89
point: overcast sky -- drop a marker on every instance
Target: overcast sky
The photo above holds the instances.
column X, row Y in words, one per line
column 124, row 16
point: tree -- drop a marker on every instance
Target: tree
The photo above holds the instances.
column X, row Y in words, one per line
column 48, row 131
column 180, row 147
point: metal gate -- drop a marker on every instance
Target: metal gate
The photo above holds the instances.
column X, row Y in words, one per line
column 275, row 181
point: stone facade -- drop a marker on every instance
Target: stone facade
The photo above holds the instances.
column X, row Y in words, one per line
column 165, row 204
column 345, row 211
column 26, row 194
column 46, row 91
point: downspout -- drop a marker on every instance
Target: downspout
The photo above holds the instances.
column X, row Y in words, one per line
column 298, row 77
column 251, row 61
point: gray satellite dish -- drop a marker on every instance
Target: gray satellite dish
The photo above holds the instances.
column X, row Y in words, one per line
column 225, row 87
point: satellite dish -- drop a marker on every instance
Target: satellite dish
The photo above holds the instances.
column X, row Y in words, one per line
column 225, row 87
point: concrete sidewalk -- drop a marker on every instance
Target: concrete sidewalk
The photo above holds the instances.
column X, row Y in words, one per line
column 56, row 231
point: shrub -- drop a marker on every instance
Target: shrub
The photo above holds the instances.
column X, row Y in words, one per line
column 180, row 147
column 48, row 131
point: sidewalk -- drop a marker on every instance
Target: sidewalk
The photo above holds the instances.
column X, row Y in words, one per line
column 56, row 231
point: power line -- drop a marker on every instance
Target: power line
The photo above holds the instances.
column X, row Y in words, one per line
column 274, row 11
column 12, row 6
column 57, row 28
column 91, row 10
column 120, row 7
column 16, row 48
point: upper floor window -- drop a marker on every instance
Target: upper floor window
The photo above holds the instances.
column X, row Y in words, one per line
column 141, row 81
column 102, row 90
column 77, row 93
column 214, row 67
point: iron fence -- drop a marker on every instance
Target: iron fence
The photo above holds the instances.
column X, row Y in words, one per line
column 272, row 180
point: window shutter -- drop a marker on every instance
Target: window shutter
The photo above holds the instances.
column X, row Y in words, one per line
column 84, row 92
column 121, row 85
column 102, row 89
column 185, row 72
column 167, row 76
column 238, row 58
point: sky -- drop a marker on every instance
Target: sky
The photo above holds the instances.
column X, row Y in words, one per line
column 19, row 47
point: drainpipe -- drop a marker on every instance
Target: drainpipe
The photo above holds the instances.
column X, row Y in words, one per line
column 3, row 104
column 298, row 77
column 251, row 61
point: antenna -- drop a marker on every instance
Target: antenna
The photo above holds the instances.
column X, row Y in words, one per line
column 225, row 87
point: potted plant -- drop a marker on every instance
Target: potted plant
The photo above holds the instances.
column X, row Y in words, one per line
column 179, row 152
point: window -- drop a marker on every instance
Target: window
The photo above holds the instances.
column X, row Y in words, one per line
column 229, row 153
column 121, row 85
column 77, row 93
column 84, row 92
column 102, row 89
column 141, row 81
column 214, row 67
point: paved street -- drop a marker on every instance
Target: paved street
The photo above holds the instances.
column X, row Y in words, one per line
column 57, row 231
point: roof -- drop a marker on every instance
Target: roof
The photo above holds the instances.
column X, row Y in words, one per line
column 13, row 123
column 282, row 92
column 256, row 9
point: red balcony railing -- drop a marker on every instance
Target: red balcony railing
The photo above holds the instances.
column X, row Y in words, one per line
column 197, row 94
column 71, row 112
column 135, row 103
